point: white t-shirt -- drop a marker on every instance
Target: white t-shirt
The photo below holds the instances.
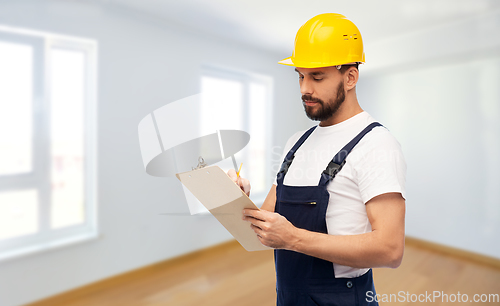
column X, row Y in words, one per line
column 375, row 166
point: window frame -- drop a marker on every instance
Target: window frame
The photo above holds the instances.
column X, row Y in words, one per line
column 40, row 177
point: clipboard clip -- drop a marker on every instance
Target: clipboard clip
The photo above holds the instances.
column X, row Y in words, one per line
column 201, row 164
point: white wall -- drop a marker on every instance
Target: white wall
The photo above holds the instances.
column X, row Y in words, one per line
column 144, row 63
column 438, row 91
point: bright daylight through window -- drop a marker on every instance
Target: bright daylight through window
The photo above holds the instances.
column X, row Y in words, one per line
column 244, row 103
column 47, row 140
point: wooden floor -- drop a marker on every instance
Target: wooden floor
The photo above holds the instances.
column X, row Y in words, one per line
column 227, row 275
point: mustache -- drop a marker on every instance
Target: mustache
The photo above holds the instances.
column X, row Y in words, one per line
column 311, row 98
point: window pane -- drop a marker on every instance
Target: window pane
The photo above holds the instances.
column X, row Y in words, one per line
column 16, row 113
column 67, row 137
column 18, row 213
column 257, row 143
column 222, row 105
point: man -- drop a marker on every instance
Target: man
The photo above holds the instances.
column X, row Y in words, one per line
column 331, row 220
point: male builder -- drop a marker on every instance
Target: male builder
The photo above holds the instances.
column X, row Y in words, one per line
column 337, row 207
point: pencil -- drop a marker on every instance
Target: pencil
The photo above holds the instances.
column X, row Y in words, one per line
column 238, row 173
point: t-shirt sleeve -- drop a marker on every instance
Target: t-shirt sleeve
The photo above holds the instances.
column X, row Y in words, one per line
column 289, row 144
column 381, row 167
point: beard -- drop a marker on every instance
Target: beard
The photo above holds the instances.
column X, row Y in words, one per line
column 325, row 110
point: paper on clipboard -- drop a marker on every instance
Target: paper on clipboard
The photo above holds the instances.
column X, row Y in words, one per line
column 225, row 201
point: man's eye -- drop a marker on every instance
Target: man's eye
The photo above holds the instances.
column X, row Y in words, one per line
column 301, row 77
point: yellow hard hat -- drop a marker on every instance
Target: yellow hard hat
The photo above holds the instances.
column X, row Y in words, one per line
column 326, row 40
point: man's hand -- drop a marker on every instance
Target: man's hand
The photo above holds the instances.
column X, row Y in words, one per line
column 242, row 182
column 272, row 229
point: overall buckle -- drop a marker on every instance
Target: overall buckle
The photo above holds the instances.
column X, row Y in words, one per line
column 333, row 168
column 285, row 165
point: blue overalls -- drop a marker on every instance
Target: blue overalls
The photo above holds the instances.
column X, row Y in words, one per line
column 302, row 279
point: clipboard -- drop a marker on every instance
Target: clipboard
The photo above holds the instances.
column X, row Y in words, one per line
column 225, row 200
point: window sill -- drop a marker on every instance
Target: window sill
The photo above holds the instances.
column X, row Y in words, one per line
column 48, row 246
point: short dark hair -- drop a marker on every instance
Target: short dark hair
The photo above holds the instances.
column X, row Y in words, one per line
column 344, row 68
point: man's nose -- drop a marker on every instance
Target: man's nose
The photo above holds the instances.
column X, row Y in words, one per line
column 306, row 87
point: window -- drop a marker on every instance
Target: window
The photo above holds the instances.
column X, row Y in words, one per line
column 244, row 102
column 47, row 140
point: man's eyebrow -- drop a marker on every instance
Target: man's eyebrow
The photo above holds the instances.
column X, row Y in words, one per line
column 311, row 73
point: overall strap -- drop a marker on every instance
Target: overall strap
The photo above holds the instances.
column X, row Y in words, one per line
column 338, row 160
column 291, row 155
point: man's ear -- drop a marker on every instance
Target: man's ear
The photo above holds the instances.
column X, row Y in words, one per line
column 351, row 78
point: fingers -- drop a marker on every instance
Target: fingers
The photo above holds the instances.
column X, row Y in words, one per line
column 254, row 214
column 245, row 185
column 257, row 230
column 232, row 174
column 242, row 182
column 254, row 223
column 257, row 225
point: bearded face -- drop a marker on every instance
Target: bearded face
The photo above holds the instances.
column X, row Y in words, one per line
column 323, row 110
